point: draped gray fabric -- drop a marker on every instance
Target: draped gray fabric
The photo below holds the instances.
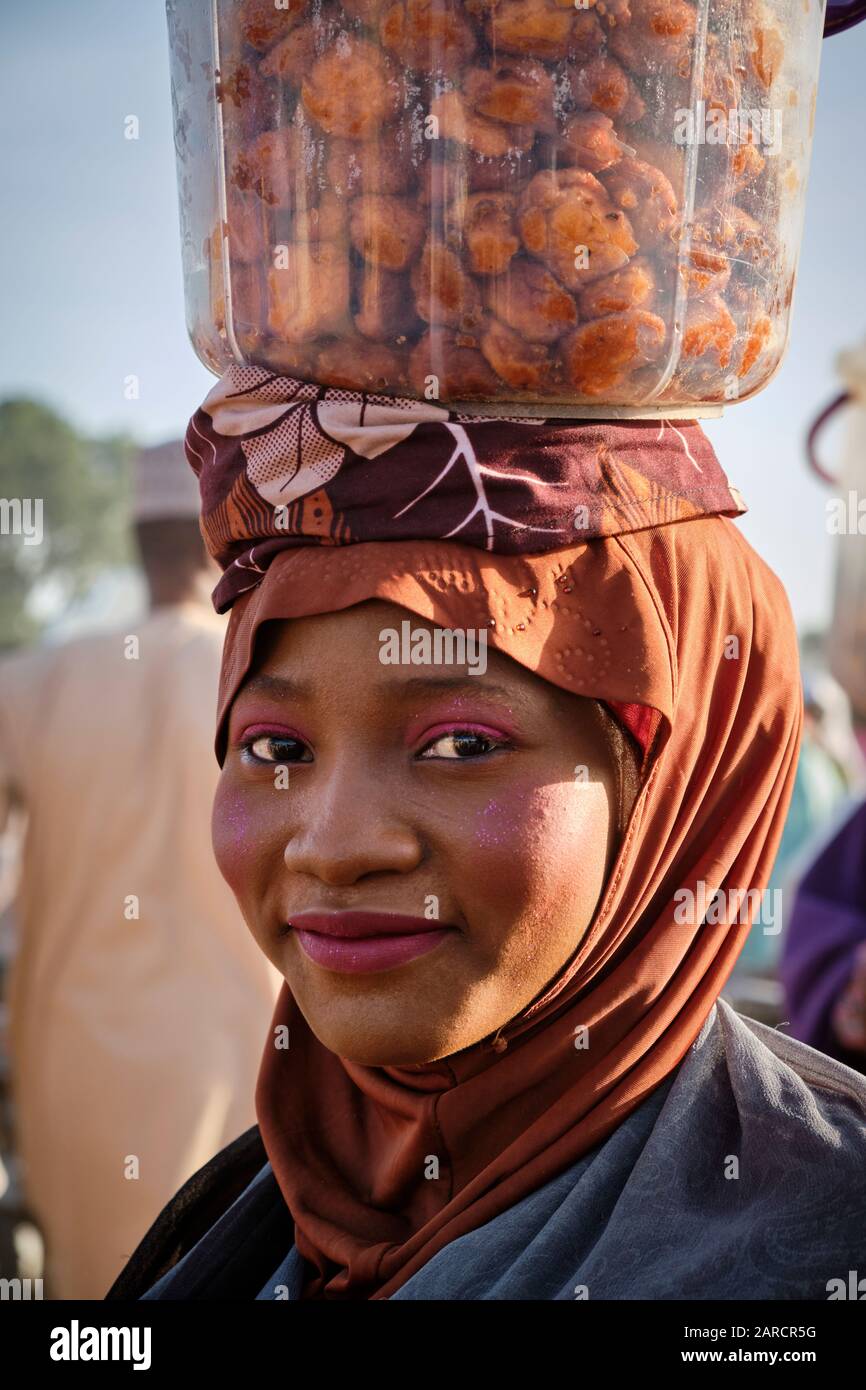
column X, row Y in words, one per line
column 743, row 1176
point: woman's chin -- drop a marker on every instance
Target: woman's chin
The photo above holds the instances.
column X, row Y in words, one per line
column 388, row 1046
column 390, row 1032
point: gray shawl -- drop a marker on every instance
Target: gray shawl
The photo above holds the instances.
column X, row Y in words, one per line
column 743, row 1176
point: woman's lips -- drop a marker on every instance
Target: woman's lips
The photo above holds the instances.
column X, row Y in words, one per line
column 358, row 942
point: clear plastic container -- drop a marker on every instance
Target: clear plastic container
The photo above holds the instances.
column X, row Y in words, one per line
column 498, row 202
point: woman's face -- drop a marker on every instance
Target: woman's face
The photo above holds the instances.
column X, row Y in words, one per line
column 481, row 805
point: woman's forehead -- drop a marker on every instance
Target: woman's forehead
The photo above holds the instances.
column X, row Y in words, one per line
column 339, row 664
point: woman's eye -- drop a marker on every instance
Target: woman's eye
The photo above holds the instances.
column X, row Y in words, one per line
column 275, row 748
column 461, row 743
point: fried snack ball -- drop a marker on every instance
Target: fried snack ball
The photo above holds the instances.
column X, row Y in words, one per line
column 721, row 86
column 587, row 37
column 538, row 28
column 668, row 157
column 590, row 141
column 262, row 24
column 385, row 306
column 705, row 271
column 358, row 365
column 647, row 196
column 249, row 312
column 352, row 90
column 522, row 365
column 384, row 165
column 442, row 181
column 757, row 336
column 508, row 174
column 747, row 164
column 566, row 218
column 430, row 35
column 247, row 227
column 614, row 12
column 448, row 366
column 444, row 292
column 289, row 359
column 739, row 170
column 520, row 92
column 709, row 331
column 485, row 224
column 292, row 58
column 656, row 38
column 480, row 9
column 633, row 287
column 603, row 83
column 732, row 230
column 281, row 166
column 767, row 51
column 368, row 11
column 323, row 218
column 720, row 89
column 458, row 122
column 600, row 355
column 249, row 103
column 532, row 302
column 386, row 230
column 309, row 296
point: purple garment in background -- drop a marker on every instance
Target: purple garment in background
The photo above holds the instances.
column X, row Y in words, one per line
column 827, row 925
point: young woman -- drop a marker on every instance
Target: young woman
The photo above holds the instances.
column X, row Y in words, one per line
column 505, row 900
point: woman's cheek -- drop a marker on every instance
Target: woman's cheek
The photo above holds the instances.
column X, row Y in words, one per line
column 547, row 843
column 236, row 836
column 507, row 846
column 579, row 839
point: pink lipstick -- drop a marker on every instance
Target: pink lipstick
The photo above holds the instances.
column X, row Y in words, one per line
column 364, row 942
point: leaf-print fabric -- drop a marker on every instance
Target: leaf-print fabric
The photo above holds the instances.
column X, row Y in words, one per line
column 283, row 462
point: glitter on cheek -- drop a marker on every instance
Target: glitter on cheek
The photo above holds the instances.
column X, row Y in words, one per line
column 236, row 838
column 231, row 820
column 496, row 825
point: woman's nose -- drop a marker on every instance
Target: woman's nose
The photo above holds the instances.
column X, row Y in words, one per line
column 352, row 824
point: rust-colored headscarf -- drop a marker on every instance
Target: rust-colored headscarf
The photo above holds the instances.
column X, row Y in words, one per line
column 660, row 609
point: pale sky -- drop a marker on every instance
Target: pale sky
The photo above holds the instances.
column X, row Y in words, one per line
column 92, row 286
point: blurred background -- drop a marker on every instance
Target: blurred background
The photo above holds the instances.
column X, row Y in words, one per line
column 93, row 299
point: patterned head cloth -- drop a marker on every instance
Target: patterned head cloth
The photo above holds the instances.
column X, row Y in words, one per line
column 602, row 557
column 284, row 463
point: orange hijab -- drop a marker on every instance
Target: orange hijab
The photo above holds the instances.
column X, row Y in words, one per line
column 683, row 619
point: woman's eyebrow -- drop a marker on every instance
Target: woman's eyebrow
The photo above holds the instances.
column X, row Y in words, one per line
column 287, row 687
column 284, row 686
column 470, row 684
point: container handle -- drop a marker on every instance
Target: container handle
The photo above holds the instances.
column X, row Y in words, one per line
column 817, row 426
column 839, row 17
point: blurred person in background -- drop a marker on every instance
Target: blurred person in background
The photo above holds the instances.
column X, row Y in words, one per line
column 138, row 1001
column 829, row 769
column 823, row 965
